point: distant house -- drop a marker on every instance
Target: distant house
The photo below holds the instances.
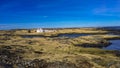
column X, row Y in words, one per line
column 39, row 30
column 44, row 30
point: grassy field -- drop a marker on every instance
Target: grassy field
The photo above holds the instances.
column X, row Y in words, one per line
column 58, row 52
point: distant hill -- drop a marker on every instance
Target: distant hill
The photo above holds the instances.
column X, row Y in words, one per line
column 111, row 28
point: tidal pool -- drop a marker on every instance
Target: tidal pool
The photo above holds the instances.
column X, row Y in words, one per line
column 114, row 46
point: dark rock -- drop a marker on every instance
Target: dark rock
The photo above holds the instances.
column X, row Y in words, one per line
column 38, row 52
column 7, row 47
column 60, row 65
column 117, row 53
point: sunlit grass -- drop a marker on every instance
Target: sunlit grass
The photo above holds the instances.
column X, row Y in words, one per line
column 62, row 49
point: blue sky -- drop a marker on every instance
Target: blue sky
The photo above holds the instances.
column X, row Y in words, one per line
column 59, row 13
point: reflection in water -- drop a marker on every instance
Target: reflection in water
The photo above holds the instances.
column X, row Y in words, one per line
column 114, row 46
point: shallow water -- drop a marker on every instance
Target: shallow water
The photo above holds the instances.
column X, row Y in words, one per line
column 114, row 46
column 72, row 35
column 60, row 35
column 32, row 36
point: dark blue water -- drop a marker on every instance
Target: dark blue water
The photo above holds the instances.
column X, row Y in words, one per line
column 114, row 46
column 32, row 36
column 74, row 35
column 60, row 35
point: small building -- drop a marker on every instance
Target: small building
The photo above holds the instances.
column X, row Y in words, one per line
column 39, row 30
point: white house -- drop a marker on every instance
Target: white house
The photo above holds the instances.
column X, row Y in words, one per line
column 39, row 30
